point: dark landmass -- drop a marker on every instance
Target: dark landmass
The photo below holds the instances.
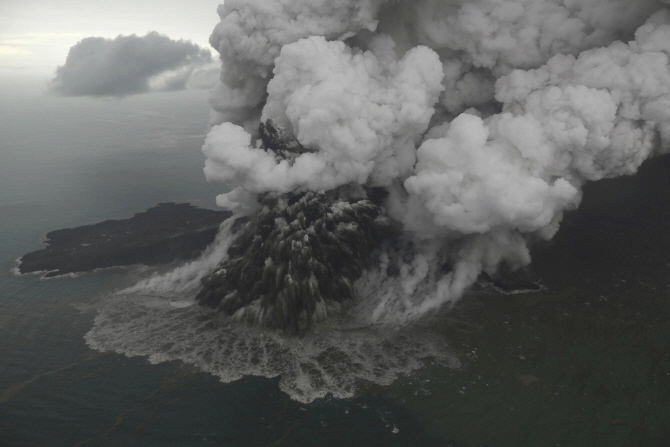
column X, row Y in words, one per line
column 300, row 253
column 508, row 282
column 159, row 235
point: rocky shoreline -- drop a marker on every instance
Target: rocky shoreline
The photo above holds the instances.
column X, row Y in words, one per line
column 162, row 234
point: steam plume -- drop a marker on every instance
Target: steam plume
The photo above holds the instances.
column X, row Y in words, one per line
column 481, row 119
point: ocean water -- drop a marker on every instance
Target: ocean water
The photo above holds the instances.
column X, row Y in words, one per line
column 68, row 162
column 584, row 362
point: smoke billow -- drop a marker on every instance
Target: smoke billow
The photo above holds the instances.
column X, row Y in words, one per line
column 129, row 65
column 481, row 120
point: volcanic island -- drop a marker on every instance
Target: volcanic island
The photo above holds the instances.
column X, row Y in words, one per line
column 162, row 234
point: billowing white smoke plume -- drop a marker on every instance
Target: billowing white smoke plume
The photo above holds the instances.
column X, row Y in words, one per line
column 482, row 118
column 128, row 65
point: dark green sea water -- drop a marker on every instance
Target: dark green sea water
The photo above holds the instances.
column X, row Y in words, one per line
column 585, row 362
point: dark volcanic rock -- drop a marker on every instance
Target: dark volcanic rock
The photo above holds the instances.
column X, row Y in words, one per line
column 509, row 282
column 162, row 234
column 280, row 141
column 299, row 253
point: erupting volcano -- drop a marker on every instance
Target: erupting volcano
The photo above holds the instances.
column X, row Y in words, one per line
column 473, row 124
column 461, row 131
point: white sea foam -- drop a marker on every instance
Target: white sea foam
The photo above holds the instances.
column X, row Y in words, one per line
column 519, row 291
column 334, row 358
column 157, row 318
column 15, row 271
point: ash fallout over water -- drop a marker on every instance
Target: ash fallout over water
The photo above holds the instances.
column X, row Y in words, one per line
column 381, row 155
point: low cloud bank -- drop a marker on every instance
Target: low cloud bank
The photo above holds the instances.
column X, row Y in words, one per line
column 129, row 65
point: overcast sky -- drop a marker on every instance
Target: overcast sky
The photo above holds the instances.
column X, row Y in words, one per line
column 35, row 35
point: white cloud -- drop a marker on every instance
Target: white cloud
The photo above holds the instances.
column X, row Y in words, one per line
column 127, row 65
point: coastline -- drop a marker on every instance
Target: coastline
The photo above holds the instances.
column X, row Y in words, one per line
column 162, row 234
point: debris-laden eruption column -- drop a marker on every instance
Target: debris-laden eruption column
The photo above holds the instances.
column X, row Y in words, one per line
column 400, row 148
